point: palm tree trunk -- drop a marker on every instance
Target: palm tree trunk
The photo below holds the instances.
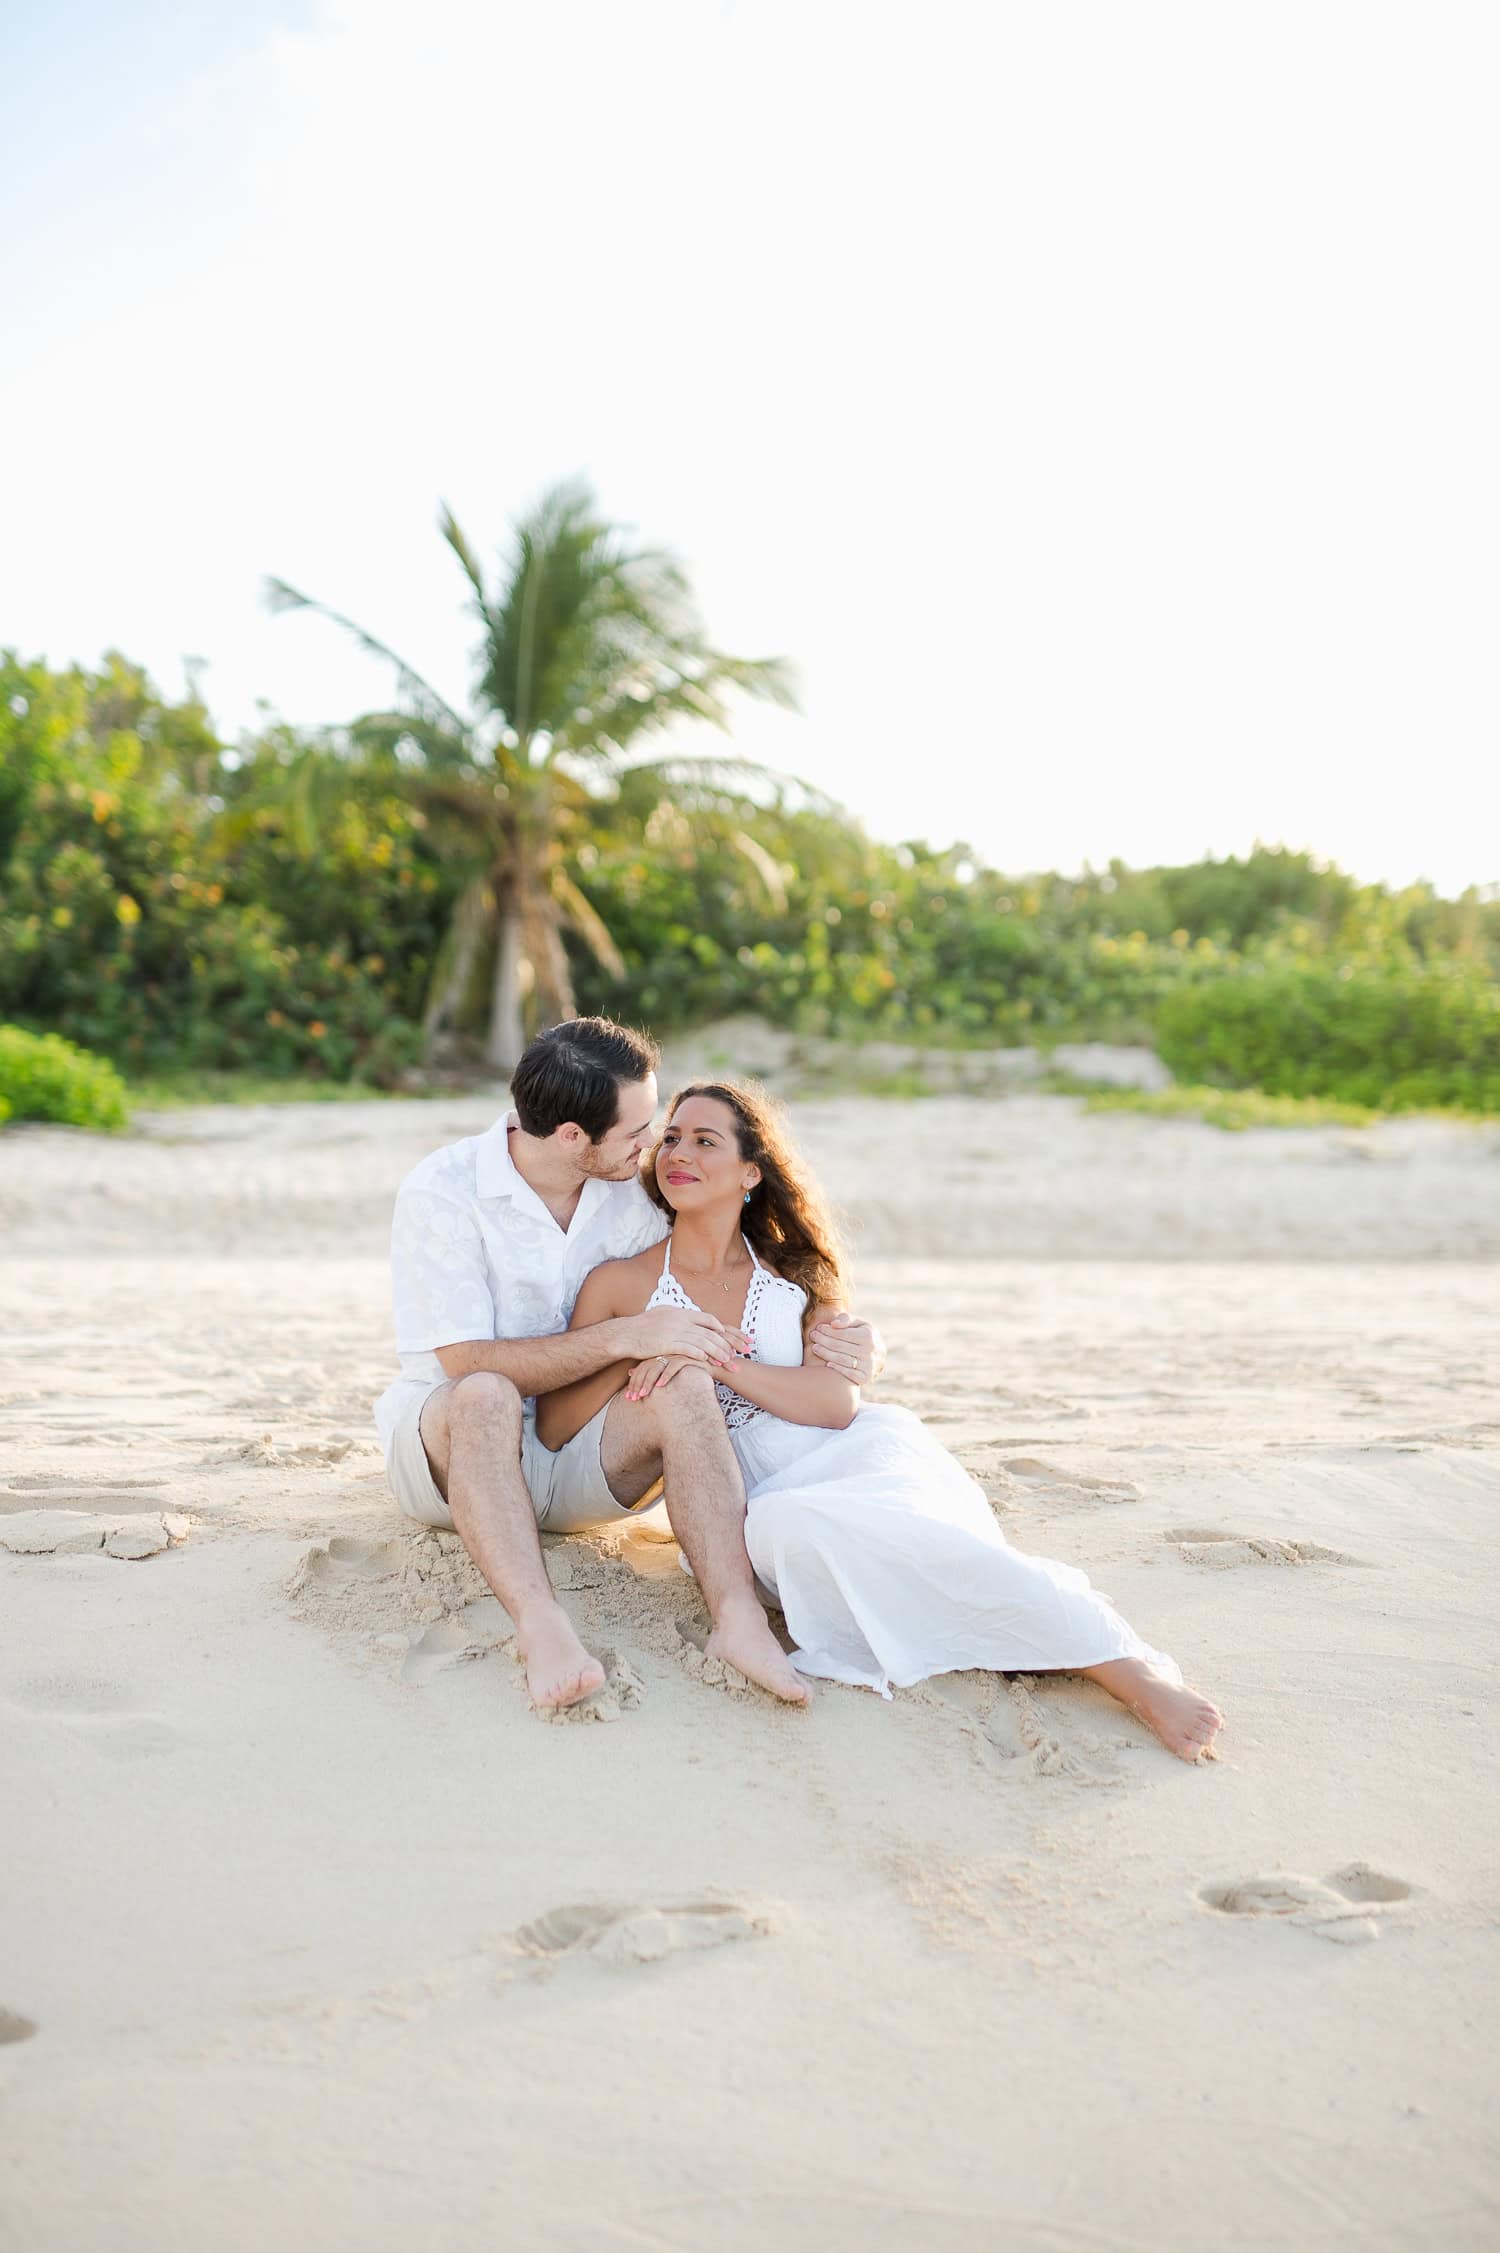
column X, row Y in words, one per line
column 456, row 963
column 506, row 1037
column 549, row 959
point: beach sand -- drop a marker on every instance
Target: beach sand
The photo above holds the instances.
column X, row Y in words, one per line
column 314, row 1937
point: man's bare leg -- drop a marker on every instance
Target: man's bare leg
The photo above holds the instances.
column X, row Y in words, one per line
column 472, row 1433
column 678, row 1433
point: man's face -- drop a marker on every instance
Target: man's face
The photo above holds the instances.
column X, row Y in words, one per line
column 616, row 1156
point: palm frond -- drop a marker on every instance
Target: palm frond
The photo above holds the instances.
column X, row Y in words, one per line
column 698, row 779
column 551, row 565
column 650, row 698
column 767, row 869
column 423, row 697
column 588, row 923
column 595, row 640
column 396, row 735
column 448, row 525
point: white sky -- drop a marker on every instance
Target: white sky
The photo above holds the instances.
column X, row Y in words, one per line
column 1098, row 402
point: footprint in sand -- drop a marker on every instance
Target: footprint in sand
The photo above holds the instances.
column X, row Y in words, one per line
column 484, row 1626
column 265, row 1454
column 1070, row 1490
column 1202, row 1545
column 446, row 1644
column 15, row 2028
column 1042, row 1752
column 985, row 1718
column 97, row 1712
column 621, row 1934
column 61, row 1491
column 1345, row 1907
column 352, row 1557
column 63, row 1533
column 1009, row 1731
column 366, row 1586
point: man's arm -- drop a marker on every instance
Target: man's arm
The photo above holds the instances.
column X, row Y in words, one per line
column 565, row 1408
column 442, row 1292
column 536, row 1366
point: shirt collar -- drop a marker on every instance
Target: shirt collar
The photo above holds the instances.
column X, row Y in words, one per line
column 494, row 1171
column 496, row 1175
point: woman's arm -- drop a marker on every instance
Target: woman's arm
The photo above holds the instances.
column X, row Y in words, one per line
column 813, row 1394
column 614, row 1302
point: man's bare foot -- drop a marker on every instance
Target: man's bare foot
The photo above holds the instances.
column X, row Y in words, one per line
column 559, row 1670
column 1185, row 1722
column 743, row 1639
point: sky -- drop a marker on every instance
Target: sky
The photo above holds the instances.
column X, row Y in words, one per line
column 1096, row 403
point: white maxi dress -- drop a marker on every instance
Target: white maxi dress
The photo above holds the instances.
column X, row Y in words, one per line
column 879, row 1547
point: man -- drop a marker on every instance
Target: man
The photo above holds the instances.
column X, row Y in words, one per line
column 492, row 1239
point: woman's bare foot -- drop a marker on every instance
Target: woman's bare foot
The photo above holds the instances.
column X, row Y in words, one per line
column 742, row 1638
column 1186, row 1723
column 559, row 1670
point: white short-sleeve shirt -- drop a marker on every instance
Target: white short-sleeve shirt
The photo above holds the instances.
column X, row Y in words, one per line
column 476, row 1254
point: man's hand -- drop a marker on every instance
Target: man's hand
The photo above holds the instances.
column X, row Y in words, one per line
column 856, row 1350
column 678, row 1333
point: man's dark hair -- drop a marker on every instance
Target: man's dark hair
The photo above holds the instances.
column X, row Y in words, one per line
column 574, row 1073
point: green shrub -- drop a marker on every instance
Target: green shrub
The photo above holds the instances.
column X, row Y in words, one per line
column 1399, row 1036
column 45, row 1077
column 158, row 925
column 1232, row 1109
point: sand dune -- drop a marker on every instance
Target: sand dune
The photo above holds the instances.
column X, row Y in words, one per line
column 314, row 1937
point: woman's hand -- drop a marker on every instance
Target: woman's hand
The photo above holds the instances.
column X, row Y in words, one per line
column 649, row 1376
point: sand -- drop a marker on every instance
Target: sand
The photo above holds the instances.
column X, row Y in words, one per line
column 314, row 1938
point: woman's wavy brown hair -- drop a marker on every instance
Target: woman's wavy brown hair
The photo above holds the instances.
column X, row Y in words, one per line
column 787, row 1218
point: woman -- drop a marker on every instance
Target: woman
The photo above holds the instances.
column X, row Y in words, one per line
column 878, row 1546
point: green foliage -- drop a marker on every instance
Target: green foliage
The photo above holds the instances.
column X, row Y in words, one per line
column 144, row 915
column 1395, row 1035
column 903, row 942
column 45, row 1077
column 288, row 909
column 1233, row 1109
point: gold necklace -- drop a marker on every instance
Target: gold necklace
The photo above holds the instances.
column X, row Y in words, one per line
column 701, row 1274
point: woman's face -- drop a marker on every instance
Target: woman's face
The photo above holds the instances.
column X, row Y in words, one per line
column 699, row 1162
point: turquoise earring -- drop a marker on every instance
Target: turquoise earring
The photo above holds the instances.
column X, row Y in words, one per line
column 747, row 1196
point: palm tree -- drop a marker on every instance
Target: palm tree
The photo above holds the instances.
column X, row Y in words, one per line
column 589, row 646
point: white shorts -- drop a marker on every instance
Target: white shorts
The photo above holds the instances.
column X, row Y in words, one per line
column 568, row 1489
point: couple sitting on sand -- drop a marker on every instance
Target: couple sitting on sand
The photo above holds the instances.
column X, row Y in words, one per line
column 578, row 1323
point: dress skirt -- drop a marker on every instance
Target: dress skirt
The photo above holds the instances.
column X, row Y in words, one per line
column 888, row 1565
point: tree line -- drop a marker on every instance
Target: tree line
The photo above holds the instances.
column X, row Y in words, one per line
column 428, row 884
